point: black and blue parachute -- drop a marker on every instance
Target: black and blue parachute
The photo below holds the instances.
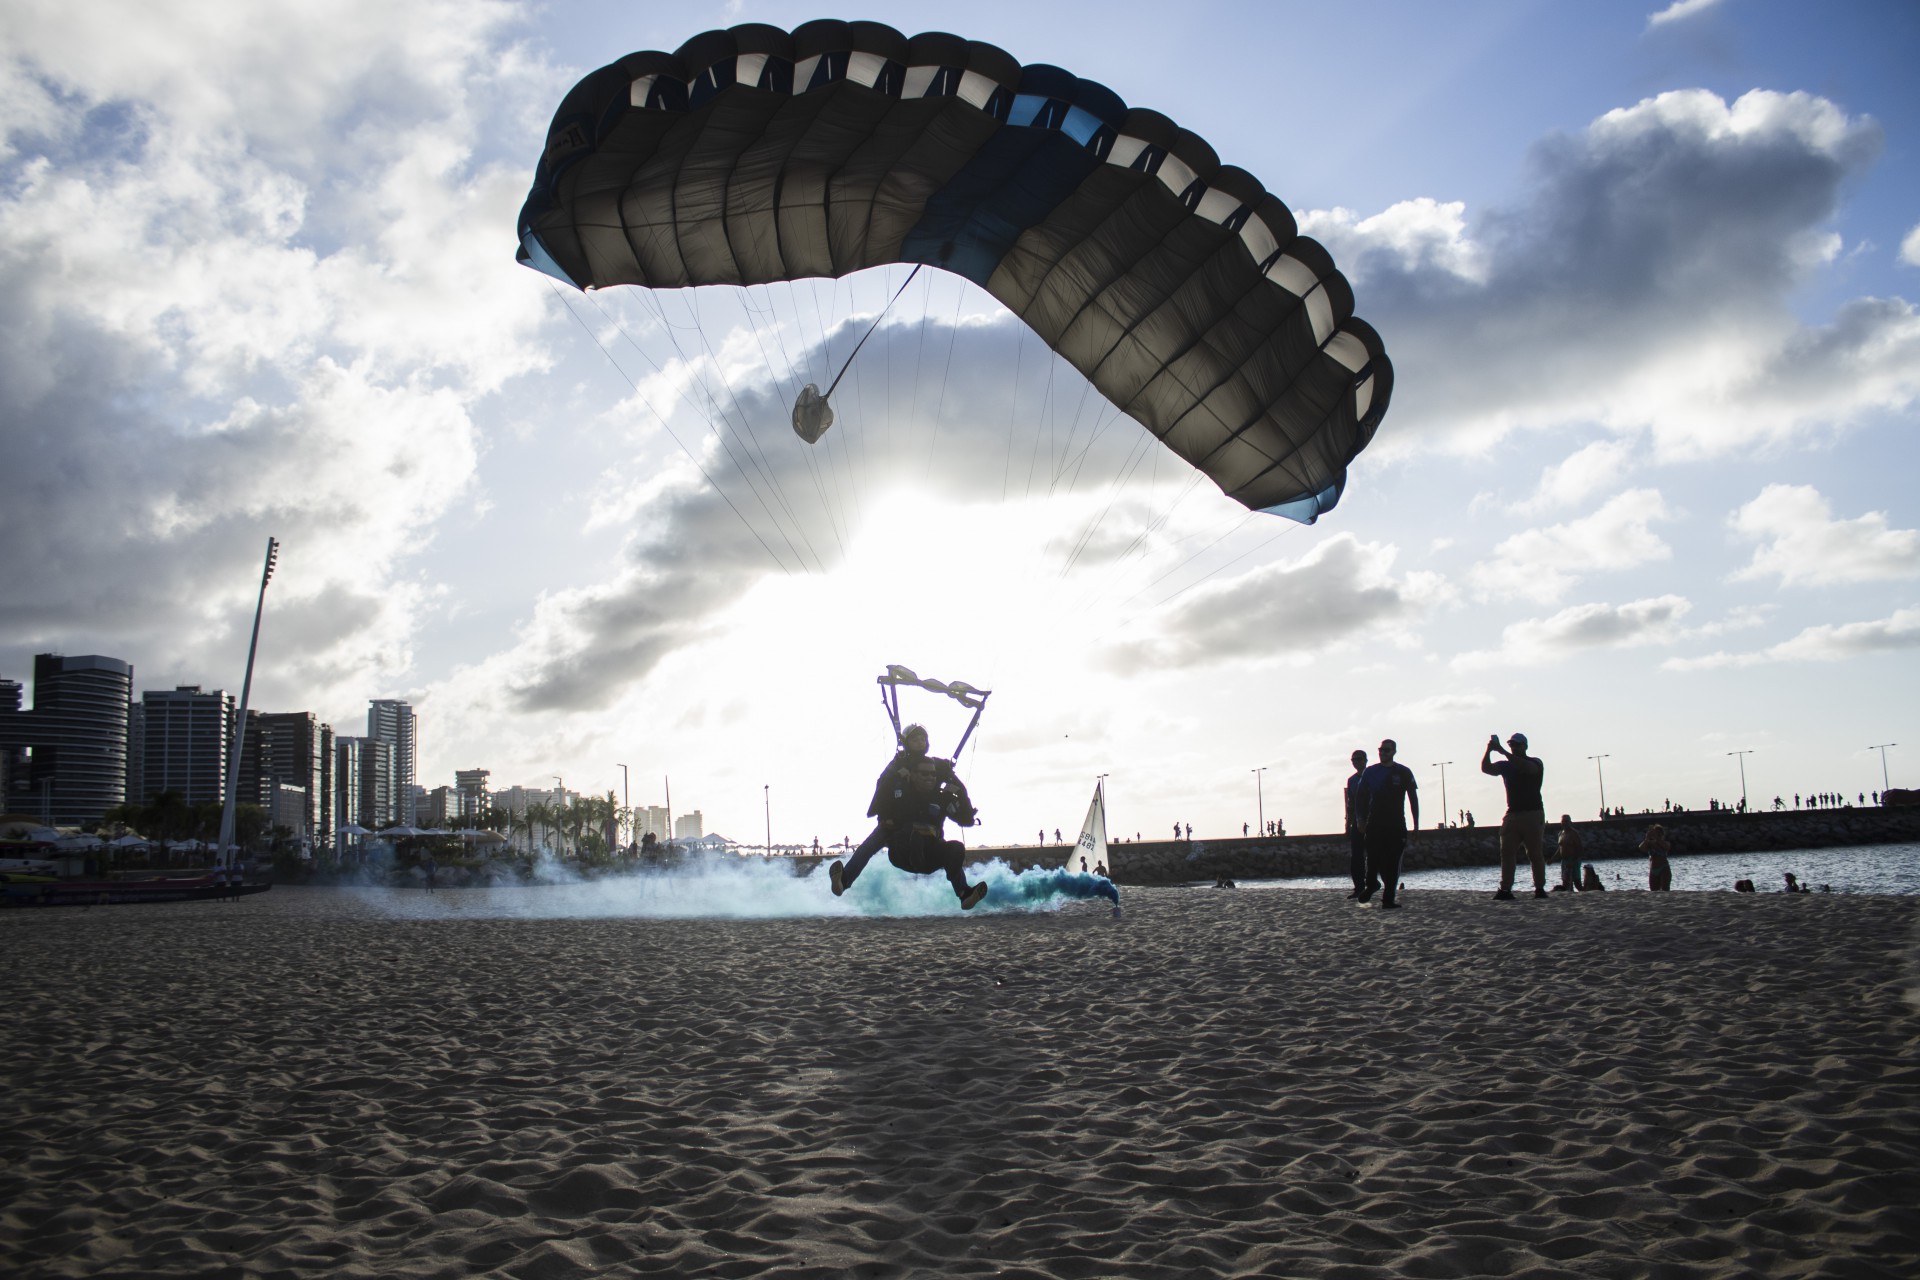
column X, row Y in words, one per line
column 1177, row 285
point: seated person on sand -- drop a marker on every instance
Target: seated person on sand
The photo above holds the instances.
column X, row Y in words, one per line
column 1659, row 870
column 1743, row 886
column 914, row 797
column 1590, row 880
column 1570, row 848
column 1794, row 885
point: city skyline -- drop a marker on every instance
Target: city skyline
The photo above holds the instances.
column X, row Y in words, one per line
column 1646, row 274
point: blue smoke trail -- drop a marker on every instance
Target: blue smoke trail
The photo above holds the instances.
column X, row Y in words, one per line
column 730, row 888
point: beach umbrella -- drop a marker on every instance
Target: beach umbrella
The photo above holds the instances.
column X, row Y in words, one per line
column 130, row 841
column 353, row 829
column 401, row 832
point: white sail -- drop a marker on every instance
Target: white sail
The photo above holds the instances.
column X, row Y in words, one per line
column 1090, row 854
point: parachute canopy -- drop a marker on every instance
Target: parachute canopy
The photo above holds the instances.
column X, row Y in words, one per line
column 1177, row 285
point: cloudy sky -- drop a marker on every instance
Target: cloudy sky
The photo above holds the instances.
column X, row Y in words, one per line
column 1645, row 491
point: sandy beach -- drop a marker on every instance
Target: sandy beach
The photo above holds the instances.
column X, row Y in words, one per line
column 1217, row 1083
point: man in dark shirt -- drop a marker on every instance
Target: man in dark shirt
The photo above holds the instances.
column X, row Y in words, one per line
column 1387, row 789
column 913, row 799
column 1356, row 826
column 1525, row 826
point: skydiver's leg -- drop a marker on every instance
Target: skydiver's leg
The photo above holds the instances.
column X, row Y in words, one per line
column 876, row 841
column 953, row 856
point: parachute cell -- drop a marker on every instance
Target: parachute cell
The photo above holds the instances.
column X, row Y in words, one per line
column 1177, row 285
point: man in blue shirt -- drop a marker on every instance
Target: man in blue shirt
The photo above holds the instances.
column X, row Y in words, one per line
column 1387, row 790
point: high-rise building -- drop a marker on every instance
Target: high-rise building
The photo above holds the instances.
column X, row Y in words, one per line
column 287, row 807
column 392, row 720
column 296, row 749
column 136, row 752
column 475, row 801
column 13, row 755
column 441, row 806
column 649, row 818
column 363, row 782
column 75, row 738
column 186, row 741
column 688, row 826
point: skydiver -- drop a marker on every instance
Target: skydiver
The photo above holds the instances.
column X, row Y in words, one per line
column 914, row 796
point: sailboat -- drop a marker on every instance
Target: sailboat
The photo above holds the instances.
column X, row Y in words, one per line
column 1090, row 853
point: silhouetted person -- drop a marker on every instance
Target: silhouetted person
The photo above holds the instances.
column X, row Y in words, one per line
column 1387, row 790
column 1356, row 826
column 1525, row 826
column 1590, row 880
column 1570, row 849
column 1659, row 870
column 913, row 798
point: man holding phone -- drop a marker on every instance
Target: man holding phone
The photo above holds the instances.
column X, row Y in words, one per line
column 1525, row 826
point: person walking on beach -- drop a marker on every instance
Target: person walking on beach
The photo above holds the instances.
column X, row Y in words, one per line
column 1570, row 846
column 1525, row 826
column 1387, row 790
column 1356, row 825
column 913, row 798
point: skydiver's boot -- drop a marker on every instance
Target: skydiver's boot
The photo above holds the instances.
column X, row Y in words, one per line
column 837, row 873
column 971, row 898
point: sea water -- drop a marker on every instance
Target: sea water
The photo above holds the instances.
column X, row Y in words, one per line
column 1873, row 868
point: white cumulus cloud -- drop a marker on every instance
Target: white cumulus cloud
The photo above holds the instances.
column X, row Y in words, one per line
column 1535, row 641
column 1827, row 642
column 1644, row 283
column 1542, row 564
column 1679, row 11
column 1910, row 247
column 1801, row 544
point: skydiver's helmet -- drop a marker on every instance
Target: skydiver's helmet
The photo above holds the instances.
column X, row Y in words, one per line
column 914, row 738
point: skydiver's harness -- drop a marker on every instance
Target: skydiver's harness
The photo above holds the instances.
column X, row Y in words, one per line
column 922, row 793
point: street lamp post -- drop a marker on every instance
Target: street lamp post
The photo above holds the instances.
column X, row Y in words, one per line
column 223, row 855
column 1743, row 775
column 1602, row 775
column 1260, row 796
column 1441, row 765
column 559, row 801
column 626, row 798
column 1882, row 749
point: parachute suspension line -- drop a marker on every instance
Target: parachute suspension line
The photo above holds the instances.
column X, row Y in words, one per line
column 665, row 425
column 774, row 379
column 756, row 450
column 1286, row 528
column 839, row 450
column 920, row 347
column 1066, row 447
column 940, row 411
column 695, row 408
column 828, row 394
column 1127, row 467
column 712, row 415
column 1013, row 398
column 1046, row 412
